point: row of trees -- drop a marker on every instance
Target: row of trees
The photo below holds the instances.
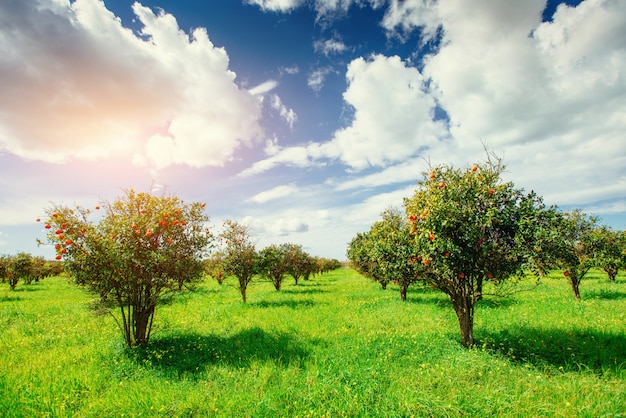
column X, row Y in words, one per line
column 466, row 227
column 27, row 268
column 142, row 248
column 238, row 258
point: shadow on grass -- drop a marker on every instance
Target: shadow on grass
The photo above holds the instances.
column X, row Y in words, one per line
column 26, row 288
column 9, row 298
column 188, row 354
column 603, row 294
column 575, row 350
column 293, row 304
column 301, row 290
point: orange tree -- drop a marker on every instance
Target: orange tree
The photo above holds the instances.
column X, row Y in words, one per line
column 362, row 258
column 610, row 250
column 577, row 246
column 272, row 264
column 299, row 262
column 239, row 254
column 470, row 227
column 141, row 249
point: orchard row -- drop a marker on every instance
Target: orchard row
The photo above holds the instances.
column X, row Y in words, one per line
column 462, row 228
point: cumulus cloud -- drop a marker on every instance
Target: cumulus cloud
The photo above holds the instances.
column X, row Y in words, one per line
column 554, row 100
column 393, row 114
column 549, row 97
column 95, row 88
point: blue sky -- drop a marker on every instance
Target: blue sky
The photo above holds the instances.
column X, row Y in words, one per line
column 305, row 119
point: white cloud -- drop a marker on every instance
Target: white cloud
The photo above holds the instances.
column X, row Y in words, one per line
column 400, row 173
column 298, row 156
column 96, row 88
column 264, row 87
column 554, row 102
column 330, row 47
column 393, row 114
column 276, row 5
column 316, row 78
column 274, row 193
column 289, row 115
column 549, row 97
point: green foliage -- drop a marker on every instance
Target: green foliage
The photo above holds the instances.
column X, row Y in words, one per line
column 299, row 262
column 214, row 266
column 575, row 246
column 272, row 264
column 335, row 346
column 386, row 253
column 142, row 248
column 22, row 266
column 240, row 256
column 609, row 250
column 470, row 227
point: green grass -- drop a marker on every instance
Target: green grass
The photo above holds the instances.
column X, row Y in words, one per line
column 335, row 346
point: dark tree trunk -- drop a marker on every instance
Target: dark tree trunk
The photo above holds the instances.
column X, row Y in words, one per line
column 403, row 289
column 143, row 322
column 463, row 298
column 612, row 272
column 479, row 289
column 242, row 289
column 575, row 286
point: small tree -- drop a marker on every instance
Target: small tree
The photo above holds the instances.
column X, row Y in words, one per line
column 576, row 246
column 272, row 264
column 240, row 256
column 6, row 271
column 363, row 259
column 394, row 249
column 609, row 250
column 298, row 262
column 21, row 268
column 469, row 228
column 143, row 248
column 214, row 267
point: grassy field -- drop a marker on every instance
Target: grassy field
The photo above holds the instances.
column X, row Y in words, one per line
column 335, row 346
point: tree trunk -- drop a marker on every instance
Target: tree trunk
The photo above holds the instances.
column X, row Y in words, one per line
column 242, row 289
column 479, row 289
column 464, row 308
column 403, row 289
column 612, row 272
column 575, row 284
column 142, row 323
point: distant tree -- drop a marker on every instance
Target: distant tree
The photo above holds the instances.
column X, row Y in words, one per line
column 240, row 256
column 361, row 257
column 609, row 246
column 214, row 267
column 298, row 262
column 6, row 271
column 576, row 246
column 143, row 248
column 469, row 227
column 272, row 264
column 22, row 268
column 394, row 248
